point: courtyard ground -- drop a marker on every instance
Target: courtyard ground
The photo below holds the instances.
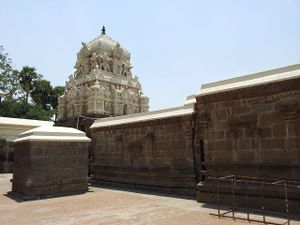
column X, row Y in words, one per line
column 108, row 206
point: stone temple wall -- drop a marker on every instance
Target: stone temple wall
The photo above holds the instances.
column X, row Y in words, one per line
column 246, row 126
column 156, row 153
column 253, row 131
column 6, row 155
column 10, row 128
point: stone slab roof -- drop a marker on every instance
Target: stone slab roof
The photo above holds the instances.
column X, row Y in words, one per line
column 269, row 76
column 190, row 100
column 141, row 117
column 48, row 133
column 24, row 122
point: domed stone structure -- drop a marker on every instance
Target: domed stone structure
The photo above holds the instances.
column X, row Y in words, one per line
column 102, row 84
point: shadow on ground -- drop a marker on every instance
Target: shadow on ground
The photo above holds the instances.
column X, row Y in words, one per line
column 150, row 190
column 19, row 198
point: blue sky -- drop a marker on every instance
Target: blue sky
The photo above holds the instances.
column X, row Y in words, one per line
column 175, row 45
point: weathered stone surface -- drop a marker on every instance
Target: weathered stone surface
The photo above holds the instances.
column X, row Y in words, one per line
column 6, row 156
column 264, row 130
column 152, row 152
column 10, row 128
column 261, row 129
column 50, row 164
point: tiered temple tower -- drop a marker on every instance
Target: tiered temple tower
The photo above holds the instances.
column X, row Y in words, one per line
column 102, row 84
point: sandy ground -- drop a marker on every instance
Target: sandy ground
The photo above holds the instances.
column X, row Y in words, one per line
column 107, row 206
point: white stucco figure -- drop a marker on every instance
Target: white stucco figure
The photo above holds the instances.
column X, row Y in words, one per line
column 102, row 84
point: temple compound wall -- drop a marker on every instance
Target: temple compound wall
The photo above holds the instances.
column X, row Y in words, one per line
column 10, row 128
column 250, row 127
column 247, row 127
column 152, row 149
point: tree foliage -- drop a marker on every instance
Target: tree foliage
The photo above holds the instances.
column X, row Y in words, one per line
column 27, row 94
column 28, row 76
column 37, row 112
column 41, row 93
column 9, row 78
column 14, row 108
column 56, row 92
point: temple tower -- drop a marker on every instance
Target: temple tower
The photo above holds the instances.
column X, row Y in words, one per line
column 102, row 84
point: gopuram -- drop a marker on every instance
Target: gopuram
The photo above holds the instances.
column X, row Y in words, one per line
column 101, row 86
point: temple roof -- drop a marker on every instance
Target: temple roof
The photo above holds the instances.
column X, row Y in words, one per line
column 23, row 122
column 107, row 44
column 186, row 109
column 48, row 133
column 265, row 77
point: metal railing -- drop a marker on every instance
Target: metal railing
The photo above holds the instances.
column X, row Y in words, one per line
column 233, row 209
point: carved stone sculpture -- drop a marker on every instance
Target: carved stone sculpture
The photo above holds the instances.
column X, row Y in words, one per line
column 102, row 84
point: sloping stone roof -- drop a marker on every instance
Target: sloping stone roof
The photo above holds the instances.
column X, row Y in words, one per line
column 47, row 133
column 141, row 117
column 265, row 77
column 24, row 122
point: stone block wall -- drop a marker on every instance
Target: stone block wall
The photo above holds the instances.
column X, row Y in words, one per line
column 6, row 156
column 253, row 131
column 45, row 169
column 10, row 128
column 157, row 153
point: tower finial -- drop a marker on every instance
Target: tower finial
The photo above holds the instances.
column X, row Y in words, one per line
column 103, row 30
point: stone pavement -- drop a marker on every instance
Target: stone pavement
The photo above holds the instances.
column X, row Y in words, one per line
column 107, row 206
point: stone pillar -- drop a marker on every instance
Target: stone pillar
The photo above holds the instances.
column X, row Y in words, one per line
column 50, row 161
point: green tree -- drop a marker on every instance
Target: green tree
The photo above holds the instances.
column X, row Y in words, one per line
column 21, row 109
column 38, row 113
column 9, row 78
column 19, row 86
column 42, row 93
column 57, row 91
column 27, row 77
column 14, row 108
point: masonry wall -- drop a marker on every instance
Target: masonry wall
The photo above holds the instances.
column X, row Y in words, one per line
column 45, row 169
column 6, row 156
column 157, row 153
column 10, row 128
column 252, row 131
